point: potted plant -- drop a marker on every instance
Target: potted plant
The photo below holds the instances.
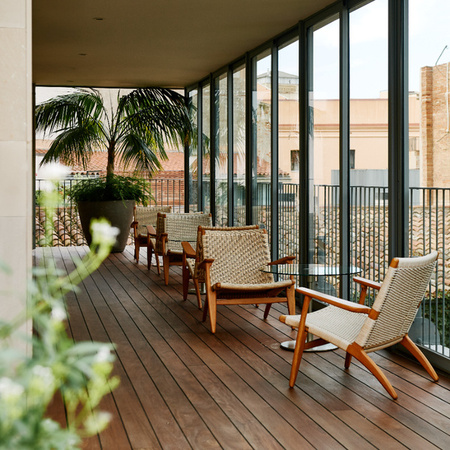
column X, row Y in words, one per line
column 133, row 128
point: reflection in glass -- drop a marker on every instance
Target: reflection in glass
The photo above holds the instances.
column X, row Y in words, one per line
column 192, row 176
column 206, row 169
column 288, row 149
column 262, row 108
column 368, row 155
column 324, row 146
column 239, row 118
column 221, row 159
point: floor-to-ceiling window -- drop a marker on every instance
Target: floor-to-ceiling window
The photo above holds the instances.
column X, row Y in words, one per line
column 429, row 156
column 239, row 139
column 206, row 147
column 221, row 150
column 192, row 173
column 288, row 148
column 324, row 145
column 368, row 150
column 262, row 127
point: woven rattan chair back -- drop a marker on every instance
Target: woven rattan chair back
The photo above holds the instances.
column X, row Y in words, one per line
column 400, row 295
column 238, row 256
column 199, row 273
column 147, row 215
column 180, row 227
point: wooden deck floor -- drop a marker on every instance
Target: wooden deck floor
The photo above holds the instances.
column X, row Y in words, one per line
column 184, row 388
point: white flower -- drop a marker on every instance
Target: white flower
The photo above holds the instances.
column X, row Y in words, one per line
column 103, row 232
column 45, row 373
column 54, row 171
column 10, row 390
column 58, row 314
column 103, row 354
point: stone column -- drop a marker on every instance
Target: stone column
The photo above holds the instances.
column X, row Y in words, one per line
column 16, row 153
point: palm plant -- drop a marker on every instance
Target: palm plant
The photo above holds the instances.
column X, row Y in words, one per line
column 135, row 129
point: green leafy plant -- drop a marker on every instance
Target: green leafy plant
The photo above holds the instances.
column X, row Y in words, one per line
column 80, row 372
column 112, row 187
column 134, row 128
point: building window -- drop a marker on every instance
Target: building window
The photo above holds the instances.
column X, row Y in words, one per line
column 352, row 158
column 295, row 159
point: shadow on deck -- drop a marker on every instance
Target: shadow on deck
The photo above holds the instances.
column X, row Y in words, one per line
column 182, row 387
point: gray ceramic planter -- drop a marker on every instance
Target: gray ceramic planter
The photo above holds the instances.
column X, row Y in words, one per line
column 118, row 213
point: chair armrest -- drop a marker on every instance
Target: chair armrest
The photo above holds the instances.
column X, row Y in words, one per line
column 367, row 282
column 188, row 250
column 335, row 301
column 284, row 260
column 134, row 224
column 205, row 262
column 151, row 231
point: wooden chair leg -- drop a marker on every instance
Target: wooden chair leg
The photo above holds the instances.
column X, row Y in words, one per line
column 297, row 358
column 365, row 359
column 166, row 269
column 417, row 353
column 266, row 311
column 348, row 360
column 211, row 299
column 205, row 311
column 290, row 294
column 158, row 268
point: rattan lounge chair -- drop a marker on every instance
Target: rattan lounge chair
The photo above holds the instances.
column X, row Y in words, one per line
column 192, row 258
column 171, row 230
column 359, row 329
column 143, row 226
column 234, row 262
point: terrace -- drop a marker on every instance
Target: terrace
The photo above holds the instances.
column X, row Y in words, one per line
column 245, row 66
column 183, row 387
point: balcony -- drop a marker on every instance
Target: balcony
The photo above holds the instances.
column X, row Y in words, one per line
column 182, row 387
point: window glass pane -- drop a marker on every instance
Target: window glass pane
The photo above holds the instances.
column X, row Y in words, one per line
column 324, row 148
column 221, row 162
column 206, row 124
column 239, row 118
column 429, row 161
column 262, row 106
column 368, row 155
column 288, row 148
column 192, row 176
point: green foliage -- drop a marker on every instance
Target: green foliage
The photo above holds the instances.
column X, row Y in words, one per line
column 437, row 309
column 80, row 372
column 109, row 188
column 136, row 130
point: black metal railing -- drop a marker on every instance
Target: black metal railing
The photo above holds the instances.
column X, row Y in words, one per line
column 429, row 230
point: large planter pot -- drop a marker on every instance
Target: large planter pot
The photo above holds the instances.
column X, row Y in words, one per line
column 118, row 213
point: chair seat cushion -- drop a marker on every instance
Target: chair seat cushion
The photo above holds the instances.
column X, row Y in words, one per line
column 335, row 325
column 254, row 287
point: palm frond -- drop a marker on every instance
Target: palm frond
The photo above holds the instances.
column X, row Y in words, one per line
column 137, row 153
column 74, row 145
column 157, row 113
column 69, row 110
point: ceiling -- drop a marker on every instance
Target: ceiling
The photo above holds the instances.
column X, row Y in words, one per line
column 170, row 43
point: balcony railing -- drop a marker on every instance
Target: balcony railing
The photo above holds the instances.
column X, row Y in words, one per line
column 165, row 192
column 429, row 230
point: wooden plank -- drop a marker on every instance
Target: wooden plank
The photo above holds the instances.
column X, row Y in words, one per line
column 231, row 389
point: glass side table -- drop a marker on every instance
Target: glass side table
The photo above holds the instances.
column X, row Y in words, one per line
column 311, row 272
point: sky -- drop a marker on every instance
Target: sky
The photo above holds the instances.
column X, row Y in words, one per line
column 429, row 41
